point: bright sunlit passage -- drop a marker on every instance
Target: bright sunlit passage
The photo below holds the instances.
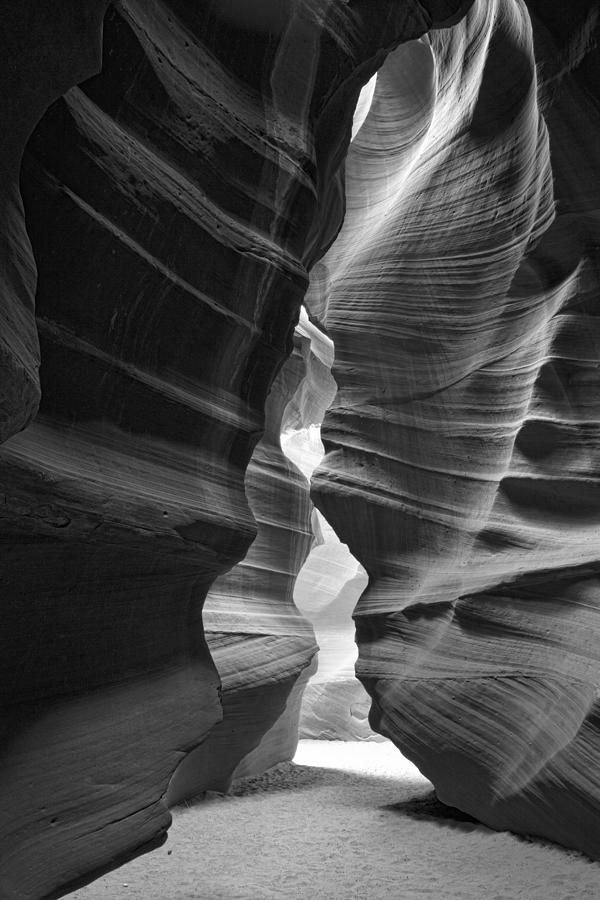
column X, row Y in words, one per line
column 364, row 105
column 361, row 758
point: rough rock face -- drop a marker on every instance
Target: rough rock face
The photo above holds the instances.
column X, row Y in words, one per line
column 462, row 465
column 174, row 204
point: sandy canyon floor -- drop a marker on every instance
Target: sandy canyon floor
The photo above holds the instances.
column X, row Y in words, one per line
column 344, row 821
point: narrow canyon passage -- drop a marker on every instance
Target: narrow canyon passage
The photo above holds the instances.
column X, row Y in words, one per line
column 227, row 222
column 344, row 821
column 335, row 705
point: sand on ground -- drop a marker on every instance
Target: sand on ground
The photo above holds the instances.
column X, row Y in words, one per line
column 344, row 821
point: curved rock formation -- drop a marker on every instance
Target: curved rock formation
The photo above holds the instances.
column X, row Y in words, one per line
column 175, row 204
column 46, row 50
column 335, row 705
column 261, row 646
column 462, row 465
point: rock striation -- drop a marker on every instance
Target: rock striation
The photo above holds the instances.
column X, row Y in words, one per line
column 174, row 205
column 335, row 706
column 263, row 649
column 461, row 467
column 45, row 51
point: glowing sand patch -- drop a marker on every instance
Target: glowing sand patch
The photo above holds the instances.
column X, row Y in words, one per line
column 379, row 760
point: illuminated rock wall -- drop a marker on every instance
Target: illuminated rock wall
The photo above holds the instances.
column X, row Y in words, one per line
column 462, row 466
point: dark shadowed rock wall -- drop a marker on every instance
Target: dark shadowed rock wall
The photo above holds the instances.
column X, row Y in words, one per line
column 174, row 204
column 462, row 465
column 46, row 49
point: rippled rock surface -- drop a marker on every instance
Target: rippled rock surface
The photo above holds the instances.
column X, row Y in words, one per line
column 263, row 649
column 174, row 204
column 462, row 465
column 335, row 705
column 45, row 51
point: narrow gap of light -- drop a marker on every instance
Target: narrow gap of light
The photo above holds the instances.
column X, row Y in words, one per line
column 363, row 106
column 377, row 760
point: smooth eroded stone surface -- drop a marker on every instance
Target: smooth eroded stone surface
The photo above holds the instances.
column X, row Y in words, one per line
column 174, row 204
column 258, row 640
column 462, row 464
column 45, row 51
column 335, row 705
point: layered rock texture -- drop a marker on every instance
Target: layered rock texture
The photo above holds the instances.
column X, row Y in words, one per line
column 154, row 259
column 46, row 51
column 335, row 706
column 258, row 640
column 174, row 204
column 462, row 463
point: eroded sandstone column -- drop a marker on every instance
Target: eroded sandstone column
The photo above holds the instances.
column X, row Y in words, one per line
column 174, row 204
column 462, row 468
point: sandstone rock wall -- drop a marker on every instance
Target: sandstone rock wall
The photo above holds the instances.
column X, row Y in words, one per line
column 462, row 468
column 335, row 705
column 258, row 640
column 174, row 204
column 45, row 51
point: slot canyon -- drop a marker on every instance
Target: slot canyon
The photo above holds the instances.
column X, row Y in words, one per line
column 231, row 230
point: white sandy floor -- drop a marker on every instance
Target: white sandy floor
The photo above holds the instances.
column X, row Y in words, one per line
column 345, row 821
